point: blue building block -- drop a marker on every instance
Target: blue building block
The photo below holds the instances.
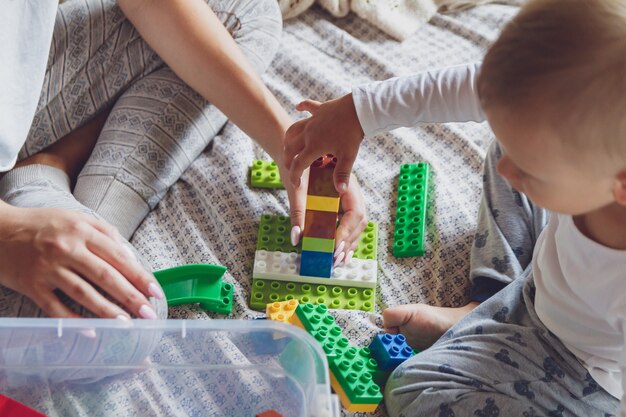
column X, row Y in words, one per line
column 316, row 264
column 390, row 350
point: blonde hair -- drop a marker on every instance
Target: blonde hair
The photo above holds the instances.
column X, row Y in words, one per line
column 566, row 60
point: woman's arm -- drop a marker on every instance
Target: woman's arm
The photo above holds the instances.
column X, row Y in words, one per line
column 189, row 37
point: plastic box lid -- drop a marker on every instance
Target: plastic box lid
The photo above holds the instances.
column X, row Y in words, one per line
column 168, row 368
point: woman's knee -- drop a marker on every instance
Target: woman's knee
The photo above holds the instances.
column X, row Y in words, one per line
column 256, row 26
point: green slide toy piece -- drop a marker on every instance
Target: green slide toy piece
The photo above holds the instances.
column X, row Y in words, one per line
column 197, row 283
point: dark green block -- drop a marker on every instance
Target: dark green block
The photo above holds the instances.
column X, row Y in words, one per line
column 408, row 236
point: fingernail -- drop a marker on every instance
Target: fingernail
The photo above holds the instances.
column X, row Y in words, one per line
column 122, row 317
column 147, row 312
column 155, row 291
column 343, row 187
column 339, row 248
column 90, row 333
column 349, row 257
column 295, row 235
column 339, row 259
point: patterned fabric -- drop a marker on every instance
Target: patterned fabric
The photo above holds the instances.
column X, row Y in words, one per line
column 397, row 18
column 211, row 215
column 500, row 359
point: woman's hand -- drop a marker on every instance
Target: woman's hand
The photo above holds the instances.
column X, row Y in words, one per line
column 42, row 250
column 352, row 220
column 333, row 128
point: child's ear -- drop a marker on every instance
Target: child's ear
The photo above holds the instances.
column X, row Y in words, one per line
column 619, row 188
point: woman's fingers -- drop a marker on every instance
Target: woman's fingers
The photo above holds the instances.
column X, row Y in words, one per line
column 86, row 295
column 92, row 266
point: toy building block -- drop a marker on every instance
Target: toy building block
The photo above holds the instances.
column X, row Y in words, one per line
column 352, row 380
column 317, row 251
column 264, row 174
column 408, row 237
column 390, row 350
column 316, row 264
column 274, row 234
column 321, row 177
column 282, row 266
column 320, row 224
column 269, row 413
column 317, row 244
column 10, row 407
column 281, row 311
column 197, row 283
column 320, row 203
column 368, row 243
column 334, row 296
column 316, row 320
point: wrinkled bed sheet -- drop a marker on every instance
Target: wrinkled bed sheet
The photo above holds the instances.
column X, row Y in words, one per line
column 211, row 215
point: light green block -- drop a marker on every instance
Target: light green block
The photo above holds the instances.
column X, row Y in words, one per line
column 318, row 244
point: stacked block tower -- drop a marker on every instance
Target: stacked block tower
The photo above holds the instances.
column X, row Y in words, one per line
column 320, row 223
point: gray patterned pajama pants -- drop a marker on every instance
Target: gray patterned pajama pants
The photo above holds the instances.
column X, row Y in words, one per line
column 499, row 360
column 156, row 128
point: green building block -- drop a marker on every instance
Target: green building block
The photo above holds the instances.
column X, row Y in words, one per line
column 197, row 283
column 408, row 237
column 354, row 369
column 275, row 235
column 317, row 244
column 321, row 325
column 265, row 291
column 264, row 174
column 368, row 243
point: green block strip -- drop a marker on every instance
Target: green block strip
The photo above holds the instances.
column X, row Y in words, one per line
column 317, row 244
column 408, row 236
column 368, row 243
column 197, row 283
column 265, row 291
column 264, row 174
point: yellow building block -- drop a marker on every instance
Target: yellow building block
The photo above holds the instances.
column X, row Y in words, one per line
column 345, row 401
column 281, row 311
column 319, row 203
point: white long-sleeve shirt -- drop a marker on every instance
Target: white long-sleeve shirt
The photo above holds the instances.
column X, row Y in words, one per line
column 26, row 28
column 581, row 285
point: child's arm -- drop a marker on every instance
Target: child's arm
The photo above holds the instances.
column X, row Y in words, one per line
column 338, row 126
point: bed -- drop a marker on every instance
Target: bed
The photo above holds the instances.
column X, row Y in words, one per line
column 211, row 215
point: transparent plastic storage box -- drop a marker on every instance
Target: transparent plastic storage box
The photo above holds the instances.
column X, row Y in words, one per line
column 85, row 367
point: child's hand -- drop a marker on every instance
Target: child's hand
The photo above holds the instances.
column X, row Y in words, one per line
column 333, row 128
column 423, row 324
column 42, row 250
column 351, row 224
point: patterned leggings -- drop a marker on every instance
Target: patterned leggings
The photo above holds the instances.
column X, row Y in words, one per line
column 157, row 126
column 500, row 360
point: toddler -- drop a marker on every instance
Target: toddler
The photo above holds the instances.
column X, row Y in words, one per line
column 544, row 332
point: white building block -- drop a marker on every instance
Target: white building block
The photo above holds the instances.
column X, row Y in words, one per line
column 281, row 266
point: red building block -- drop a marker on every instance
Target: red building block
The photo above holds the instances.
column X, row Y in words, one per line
column 269, row 413
column 321, row 177
column 9, row 407
column 321, row 224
